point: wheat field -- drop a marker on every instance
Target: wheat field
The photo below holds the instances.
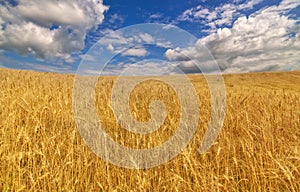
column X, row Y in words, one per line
column 258, row 148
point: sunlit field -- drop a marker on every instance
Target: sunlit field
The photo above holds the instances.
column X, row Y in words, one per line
column 258, row 148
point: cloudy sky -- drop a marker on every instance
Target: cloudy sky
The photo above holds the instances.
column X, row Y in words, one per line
column 241, row 35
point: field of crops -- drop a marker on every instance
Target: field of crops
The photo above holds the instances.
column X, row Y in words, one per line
column 258, row 148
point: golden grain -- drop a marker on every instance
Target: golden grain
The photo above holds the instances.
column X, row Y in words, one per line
column 257, row 149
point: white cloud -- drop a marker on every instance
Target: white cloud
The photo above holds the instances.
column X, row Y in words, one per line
column 218, row 16
column 110, row 47
column 145, row 68
column 147, row 38
column 117, row 38
column 138, row 52
column 156, row 16
column 115, row 41
column 177, row 54
column 114, row 38
column 267, row 40
column 115, row 21
column 61, row 12
column 116, row 18
column 249, row 5
column 48, row 29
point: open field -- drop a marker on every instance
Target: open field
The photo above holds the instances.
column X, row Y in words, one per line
column 258, row 148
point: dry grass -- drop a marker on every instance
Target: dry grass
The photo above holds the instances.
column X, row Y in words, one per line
column 258, row 148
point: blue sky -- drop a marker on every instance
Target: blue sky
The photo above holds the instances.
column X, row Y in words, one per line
column 241, row 35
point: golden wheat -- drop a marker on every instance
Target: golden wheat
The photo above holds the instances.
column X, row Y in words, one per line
column 258, row 148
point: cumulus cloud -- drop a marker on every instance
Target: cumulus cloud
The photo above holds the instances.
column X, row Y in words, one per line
column 47, row 28
column 266, row 40
column 177, row 54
